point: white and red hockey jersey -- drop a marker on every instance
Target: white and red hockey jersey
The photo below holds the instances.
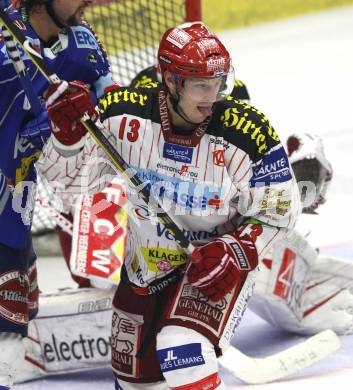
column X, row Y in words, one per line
column 230, row 172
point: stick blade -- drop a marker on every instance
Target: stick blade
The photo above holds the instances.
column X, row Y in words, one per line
column 282, row 364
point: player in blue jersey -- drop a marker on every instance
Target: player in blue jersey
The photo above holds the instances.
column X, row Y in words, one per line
column 55, row 28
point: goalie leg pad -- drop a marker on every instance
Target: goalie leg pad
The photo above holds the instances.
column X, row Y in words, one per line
column 12, row 352
column 71, row 332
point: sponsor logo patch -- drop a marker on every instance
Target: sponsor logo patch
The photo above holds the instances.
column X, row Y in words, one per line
column 161, row 260
column 273, row 168
column 178, row 153
column 186, row 195
column 179, row 38
column 183, row 356
column 218, row 158
column 14, row 286
column 240, row 256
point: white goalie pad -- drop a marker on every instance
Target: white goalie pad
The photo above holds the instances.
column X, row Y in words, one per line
column 328, row 298
column 71, row 332
column 301, row 292
column 282, row 280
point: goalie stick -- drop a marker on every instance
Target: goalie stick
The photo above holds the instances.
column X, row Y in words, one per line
column 280, row 365
column 264, row 369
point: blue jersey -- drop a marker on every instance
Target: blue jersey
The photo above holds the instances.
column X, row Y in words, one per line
column 75, row 55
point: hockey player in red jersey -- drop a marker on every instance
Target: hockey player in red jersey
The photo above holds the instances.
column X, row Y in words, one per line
column 219, row 169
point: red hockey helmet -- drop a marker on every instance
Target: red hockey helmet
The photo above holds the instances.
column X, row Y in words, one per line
column 193, row 51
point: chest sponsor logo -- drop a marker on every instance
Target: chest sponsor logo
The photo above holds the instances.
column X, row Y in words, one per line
column 185, row 194
column 178, row 153
column 183, row 356
column 218, row 158
column 162, row 260
column 184, row 171
column 219, row 141
column 84, row 39
column 162, row 231
column 273, row 168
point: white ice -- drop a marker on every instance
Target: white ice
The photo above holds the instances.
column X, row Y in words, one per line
column 299, row 72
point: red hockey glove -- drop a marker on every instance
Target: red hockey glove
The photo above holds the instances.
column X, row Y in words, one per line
column 66, row 103
column 220, row 265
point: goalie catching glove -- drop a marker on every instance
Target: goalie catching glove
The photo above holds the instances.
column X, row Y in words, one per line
column 222, row 264
column 66, row 104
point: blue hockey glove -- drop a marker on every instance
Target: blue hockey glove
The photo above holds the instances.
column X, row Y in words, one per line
column 38, row 130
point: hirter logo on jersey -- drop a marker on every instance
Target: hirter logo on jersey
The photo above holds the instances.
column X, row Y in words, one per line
column 218, row 158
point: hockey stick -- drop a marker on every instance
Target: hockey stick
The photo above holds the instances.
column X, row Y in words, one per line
column 100, row 138
column 282, row 364
column 119, row 163
column 21, row 71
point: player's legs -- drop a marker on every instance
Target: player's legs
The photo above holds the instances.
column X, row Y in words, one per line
column 18, row 288
column 187, row 359
column 141, row 356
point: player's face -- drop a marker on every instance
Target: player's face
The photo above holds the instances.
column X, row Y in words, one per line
column 71, row 11
column 197, row 97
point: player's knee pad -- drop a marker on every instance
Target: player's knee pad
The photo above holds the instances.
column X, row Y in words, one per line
column 122, row 385
column 12, row 352
column 187, row 358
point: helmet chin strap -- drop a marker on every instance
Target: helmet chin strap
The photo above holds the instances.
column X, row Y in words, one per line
column 180, row 111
